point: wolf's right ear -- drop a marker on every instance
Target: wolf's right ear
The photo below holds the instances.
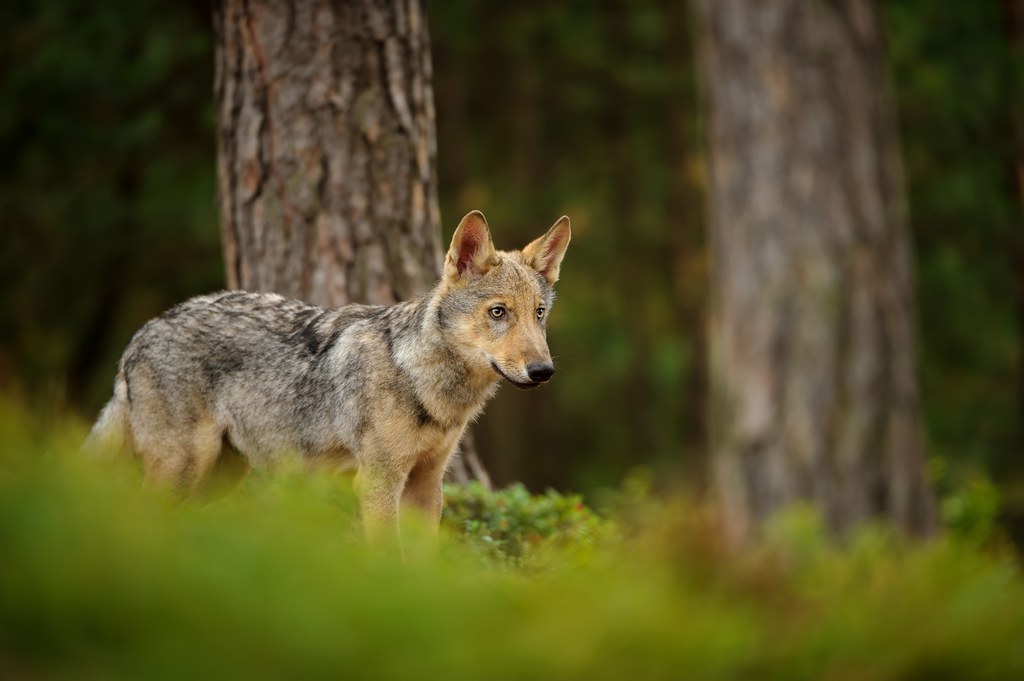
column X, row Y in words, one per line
column 472, row 251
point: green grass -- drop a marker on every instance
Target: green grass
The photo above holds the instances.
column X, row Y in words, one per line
column 101, row 579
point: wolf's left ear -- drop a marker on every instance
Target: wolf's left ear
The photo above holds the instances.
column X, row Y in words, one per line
column 545, row 254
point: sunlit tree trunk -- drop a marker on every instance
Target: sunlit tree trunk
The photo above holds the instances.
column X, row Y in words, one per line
column 813, row 364
column 327, row 149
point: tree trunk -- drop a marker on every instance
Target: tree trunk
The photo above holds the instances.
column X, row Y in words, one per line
column 813, row 365
column 326, row 150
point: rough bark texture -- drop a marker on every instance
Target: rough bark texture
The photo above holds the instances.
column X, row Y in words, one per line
column 813, row 364
column 326, row 149
column 326, row 153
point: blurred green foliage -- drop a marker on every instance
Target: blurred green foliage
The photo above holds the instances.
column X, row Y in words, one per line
column 102, row 579
column 512, row 526
column 107, row 213
column 959, row 90
column 106, row 185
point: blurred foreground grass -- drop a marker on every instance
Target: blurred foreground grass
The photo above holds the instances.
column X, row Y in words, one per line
column 100, row 579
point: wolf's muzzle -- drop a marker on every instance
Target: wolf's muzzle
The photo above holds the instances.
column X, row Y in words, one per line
column 525, row 386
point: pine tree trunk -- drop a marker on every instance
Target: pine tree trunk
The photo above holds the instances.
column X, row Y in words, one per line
column 326, row 152
column 813, row 365
column 326, row 149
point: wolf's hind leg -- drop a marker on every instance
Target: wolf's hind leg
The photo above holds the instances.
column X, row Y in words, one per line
column 227, row 471
column 179, row 459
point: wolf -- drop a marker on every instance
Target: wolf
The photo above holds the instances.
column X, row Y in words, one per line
column 385, row 390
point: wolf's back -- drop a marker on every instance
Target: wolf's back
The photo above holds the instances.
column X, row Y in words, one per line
column 258, row 361
column 211, row 337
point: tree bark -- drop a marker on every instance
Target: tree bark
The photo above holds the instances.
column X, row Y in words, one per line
column 813, row 364
column 326, row 152
column 327, row 149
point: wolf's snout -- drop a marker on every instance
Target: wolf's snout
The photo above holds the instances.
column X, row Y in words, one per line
column 540, row 372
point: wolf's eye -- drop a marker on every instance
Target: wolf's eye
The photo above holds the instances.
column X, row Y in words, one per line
column 540, row 312
column 497, row 312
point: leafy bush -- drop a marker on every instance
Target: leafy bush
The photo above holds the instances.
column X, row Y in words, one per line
column 972, row 511
column 101, row 579
column 513, row 526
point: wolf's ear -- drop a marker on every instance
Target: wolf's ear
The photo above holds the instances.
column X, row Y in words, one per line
column 545, row 254
column 472, row 251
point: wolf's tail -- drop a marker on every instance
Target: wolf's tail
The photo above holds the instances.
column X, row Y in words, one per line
column 110, row 432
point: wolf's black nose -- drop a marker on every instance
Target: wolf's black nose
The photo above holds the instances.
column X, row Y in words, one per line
column 540, row 372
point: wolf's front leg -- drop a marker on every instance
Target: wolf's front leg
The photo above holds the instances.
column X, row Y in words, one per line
column 424, row 491
column 379, row 486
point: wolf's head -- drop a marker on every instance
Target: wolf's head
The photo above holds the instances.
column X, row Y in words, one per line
column 494, row 305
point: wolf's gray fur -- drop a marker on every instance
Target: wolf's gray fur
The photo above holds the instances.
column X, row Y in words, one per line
column 387, row 390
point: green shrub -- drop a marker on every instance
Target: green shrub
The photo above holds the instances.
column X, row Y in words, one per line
column 515, row 527
column 972, row 511
column 101, row 579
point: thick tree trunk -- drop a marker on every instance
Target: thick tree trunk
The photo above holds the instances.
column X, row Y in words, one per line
column 327, row 150
column 813, row 365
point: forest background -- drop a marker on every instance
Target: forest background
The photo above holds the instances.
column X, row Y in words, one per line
column 108, row 216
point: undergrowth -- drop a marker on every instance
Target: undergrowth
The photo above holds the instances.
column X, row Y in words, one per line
column 102, row 579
